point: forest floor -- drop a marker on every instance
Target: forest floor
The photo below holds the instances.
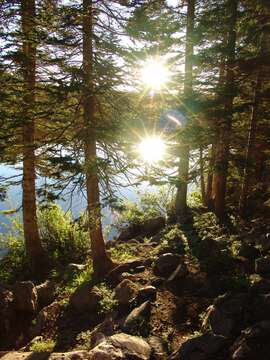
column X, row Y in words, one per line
column 191, row 292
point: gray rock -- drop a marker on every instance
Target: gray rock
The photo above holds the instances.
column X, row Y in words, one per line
column 248, row 251
column 7, row 318
column 121, row 347
column 125, row 291
column 136, row 321
column 45, row 293
column 199, row 348
column 85, row 298
column 262, row 265
column 101, row 331
column 25, row 296
column 166, row 264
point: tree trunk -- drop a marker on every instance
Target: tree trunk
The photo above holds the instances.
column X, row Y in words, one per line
column 181, row 195
column 223, row 137
column 202, row 176
column 211, row 162
column 34, row 250
column 251, row 152
column 101, row 261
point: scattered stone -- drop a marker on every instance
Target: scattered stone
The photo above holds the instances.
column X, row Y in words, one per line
column 147, row 228
column 136, row 321
column 166, row 264
column 147, row 293
column 125, row 292
column 262, row 265
column 45, row 293
column 253, row 343
column 121, row 347
column 25, row 296
column 85, row 298
column 199, row 348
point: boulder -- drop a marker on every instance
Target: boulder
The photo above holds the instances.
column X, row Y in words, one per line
column 45, row 316
column 264, row 242
column 253, row 343
column 166, row 264
column 147, row 293
column 261, row 286
column 125, row 292
column 25, row 297
column 121, row 347
column 85, row 298
column 147, row 228
column 199, row 348
column 260, row 308
column 45, row 293
column 226, row 315
column 136, row 322
column 262, row 265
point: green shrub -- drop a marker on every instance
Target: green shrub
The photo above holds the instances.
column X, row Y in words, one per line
column 108, row 302
column 123, row 252
column 43, row 346
column 64, row 240
column 173, row 240
column 13, row 265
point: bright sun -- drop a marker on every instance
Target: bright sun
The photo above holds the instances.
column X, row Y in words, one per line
column 152, row 149
column 154, row 74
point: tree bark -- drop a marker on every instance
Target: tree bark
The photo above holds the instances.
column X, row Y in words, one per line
column 251, row 152
column 181, row 195
column 101, row 261
column 33, row 246
column 204, row 201
column 223, row 136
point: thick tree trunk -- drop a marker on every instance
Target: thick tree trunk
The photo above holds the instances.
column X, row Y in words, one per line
column 101, row 261
column 223, row 137
column 252, row 152
column 34, row 250
column 211, row 162
column 181, row 195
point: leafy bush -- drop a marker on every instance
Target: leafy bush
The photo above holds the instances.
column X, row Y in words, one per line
column 194, row 199
column 123, row 252
column 173, row 240
column 65, row 240
column 108, row 302
column 13, row 265
column 43, row 346
column 150, row 204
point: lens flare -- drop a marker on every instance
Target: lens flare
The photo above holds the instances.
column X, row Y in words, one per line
column 154, row 74
column 152, row 149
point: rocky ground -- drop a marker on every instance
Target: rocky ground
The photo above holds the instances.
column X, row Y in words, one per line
column 195, row 292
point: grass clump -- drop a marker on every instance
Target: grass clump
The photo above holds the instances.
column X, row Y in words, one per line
column 108, row 302
column 65, row 240
column 43, row 346
column 123, row 252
